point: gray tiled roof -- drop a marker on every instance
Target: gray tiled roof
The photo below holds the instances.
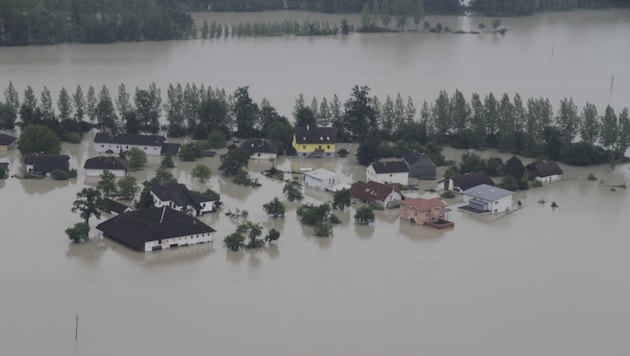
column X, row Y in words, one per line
column 487, row 192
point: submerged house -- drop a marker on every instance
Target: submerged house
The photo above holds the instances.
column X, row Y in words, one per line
column 462, row 182
column 420, row 166
column 180, row 198
column 260, row 148
column 94, row 167
column 388, row 172
column 544, row 171
column 321, row 179
column 376, row 193
column 485, row 198
column 314, row 142
column 114, row 207
column 44, row 164
column 155, row 229
column 432, row 212
column 6, row 142
column 108, row 143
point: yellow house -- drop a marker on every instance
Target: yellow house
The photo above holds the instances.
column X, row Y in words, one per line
column 315, row 141
column 6, row 142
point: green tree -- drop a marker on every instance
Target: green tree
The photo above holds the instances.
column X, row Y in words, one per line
column 359, row 116
column 402, row 10
column 609, row 129
column 310, row 214
column 233, row 161
column 187, row 152
column 106, row 119
column 12, row 98
column 568, row 120
column 253, row 231
column 38, row 139
column 137, row 158
column 107, row 184
column 128, row 187
column 123, row 100
column 272, row 236
column 623, row 137
column 364, row 215
column 275, row 208
column 148, row 109
column 589, row 124
column 293, row 190
column 28, row 107
column 174, row 107
column 90, row 103
column 496, row 23
column 234, row 241
column 46, row 105
column 167, row 161
column 162, row 176
column 509, row 183
column 64, row 104
column 201, row 172
column 79, row 232
column 78, row 101
column 245, row 112
column 216, row 139
column 514, row 167
column 212, row 116
column 305, row 117
column 367, row 152
column 341, row 199
column 87, row 202
column 482, row 26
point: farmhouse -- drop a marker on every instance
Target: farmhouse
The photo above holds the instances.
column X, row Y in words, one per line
column 375, row 193
column 114, row 207
column 6, row 142
column 321, row 179
column 95, row 166
column 180, row 198
column 388, row 172
column 155, row 229
column 432, row 212
column 45, row 163
column 420, row 166
column 107, row 143
column 486, row 198
column 314, row 142
column 260, row 148
column 544, row 171
column 460, row 183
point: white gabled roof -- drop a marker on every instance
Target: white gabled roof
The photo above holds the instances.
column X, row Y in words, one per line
column 487, row 192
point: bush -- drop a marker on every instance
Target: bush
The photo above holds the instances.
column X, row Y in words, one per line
column 342, row 152
column 3, row 173
column 242, row 178
column 59, row 174
column 536, row 183
column 591, row 176
column 449, row 194
column 72, row 137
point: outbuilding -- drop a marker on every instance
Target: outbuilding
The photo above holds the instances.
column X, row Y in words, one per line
column 321, row 179
column 486, row 198
column 94, row 167
column 388, row 172
column 544, row 171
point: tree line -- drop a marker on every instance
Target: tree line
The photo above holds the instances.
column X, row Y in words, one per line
column 263, row 29
column 530, row 7
column 26, row 22
column 392, row 124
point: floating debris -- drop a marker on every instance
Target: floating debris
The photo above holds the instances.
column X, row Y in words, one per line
column 554, row 205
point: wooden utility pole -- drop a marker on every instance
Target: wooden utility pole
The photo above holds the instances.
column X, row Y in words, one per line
column 76, row 327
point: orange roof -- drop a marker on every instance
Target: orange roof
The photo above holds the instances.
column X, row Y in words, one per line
column 424, row 204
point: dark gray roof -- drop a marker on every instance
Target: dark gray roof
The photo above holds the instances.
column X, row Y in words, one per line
column 6, row 140
column 414, row 157
column 390, row 167
column 180, row 195
column 258, row 145
column 47, row 163
column 544, row 168
column 134, row 228
column 172, row 148
column 105, row 162
column 323, row 135
column 130, row 139
column 487, row 192
column 113, row 206
column 469, row 180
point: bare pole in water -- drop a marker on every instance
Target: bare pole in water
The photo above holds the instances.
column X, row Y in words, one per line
column 76, row 327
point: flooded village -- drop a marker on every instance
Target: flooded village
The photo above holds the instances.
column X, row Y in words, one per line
column 520, row 278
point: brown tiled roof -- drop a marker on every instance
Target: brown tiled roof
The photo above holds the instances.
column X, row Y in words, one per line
column 544, row 168
column 424, row 204
column 372, row 191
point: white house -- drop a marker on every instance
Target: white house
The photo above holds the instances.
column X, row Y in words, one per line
column 321, row 179
column 107, row 143
column 94, row 167
column 388, row 172
column 180, row 198
column 259, row 148
column 544, row 171
column 487, row 198
column 155, row 229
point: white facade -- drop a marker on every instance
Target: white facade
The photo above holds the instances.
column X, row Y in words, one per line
column 263, row 156
column 497, row 206
column 393, row 199
column 177, row 241
column 549, row 179
column 98, row 172
column 116, row 147
column 207, row 206
column 387, row 178
column 321, row 179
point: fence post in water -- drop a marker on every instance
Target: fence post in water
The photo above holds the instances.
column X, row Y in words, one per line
column 76, row 327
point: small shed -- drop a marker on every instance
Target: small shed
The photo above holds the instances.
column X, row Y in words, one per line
column 544, row 171
column 420, row 166
column 321, row 179
column 486, row 198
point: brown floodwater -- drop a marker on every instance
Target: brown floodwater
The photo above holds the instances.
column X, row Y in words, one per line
column 540, row 281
